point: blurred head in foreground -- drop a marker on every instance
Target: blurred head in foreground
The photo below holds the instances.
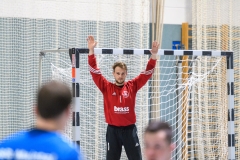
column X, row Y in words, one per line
column 53, row 106
column 44, row 141
column 158, row 141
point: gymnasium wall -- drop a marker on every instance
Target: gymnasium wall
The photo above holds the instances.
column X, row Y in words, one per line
column 175, row 13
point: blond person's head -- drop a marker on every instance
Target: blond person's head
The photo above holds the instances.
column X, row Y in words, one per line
column 119, row 73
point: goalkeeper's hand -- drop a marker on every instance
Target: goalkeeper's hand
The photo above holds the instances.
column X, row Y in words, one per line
column 154, row 50
column 91, row 44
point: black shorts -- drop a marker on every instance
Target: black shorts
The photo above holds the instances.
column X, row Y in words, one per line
column 123, row 136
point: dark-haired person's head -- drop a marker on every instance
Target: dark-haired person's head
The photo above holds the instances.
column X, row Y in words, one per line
column 53, row 105
column 158, row 141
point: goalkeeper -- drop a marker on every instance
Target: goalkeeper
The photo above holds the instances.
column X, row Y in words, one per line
column 119, row 103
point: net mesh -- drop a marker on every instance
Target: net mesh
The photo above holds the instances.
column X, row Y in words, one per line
column 215, row 26
column 208, row 130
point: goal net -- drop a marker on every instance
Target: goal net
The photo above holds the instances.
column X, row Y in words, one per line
column 191, row 97
column 216, row 26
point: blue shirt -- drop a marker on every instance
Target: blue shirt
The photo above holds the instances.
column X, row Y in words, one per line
column 38, row 145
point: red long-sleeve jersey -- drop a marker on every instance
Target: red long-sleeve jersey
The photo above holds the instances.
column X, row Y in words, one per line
column 119, row 102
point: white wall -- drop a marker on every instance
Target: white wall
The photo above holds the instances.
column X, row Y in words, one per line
column 177, row 11
column 96, row 10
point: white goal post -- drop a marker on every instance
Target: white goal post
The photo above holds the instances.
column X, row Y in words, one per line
column 199, row 107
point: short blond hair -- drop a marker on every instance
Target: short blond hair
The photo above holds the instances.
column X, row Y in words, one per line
column 119, row 64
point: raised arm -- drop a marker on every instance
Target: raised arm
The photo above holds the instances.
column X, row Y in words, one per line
column 144, row 76
column 97, row 76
